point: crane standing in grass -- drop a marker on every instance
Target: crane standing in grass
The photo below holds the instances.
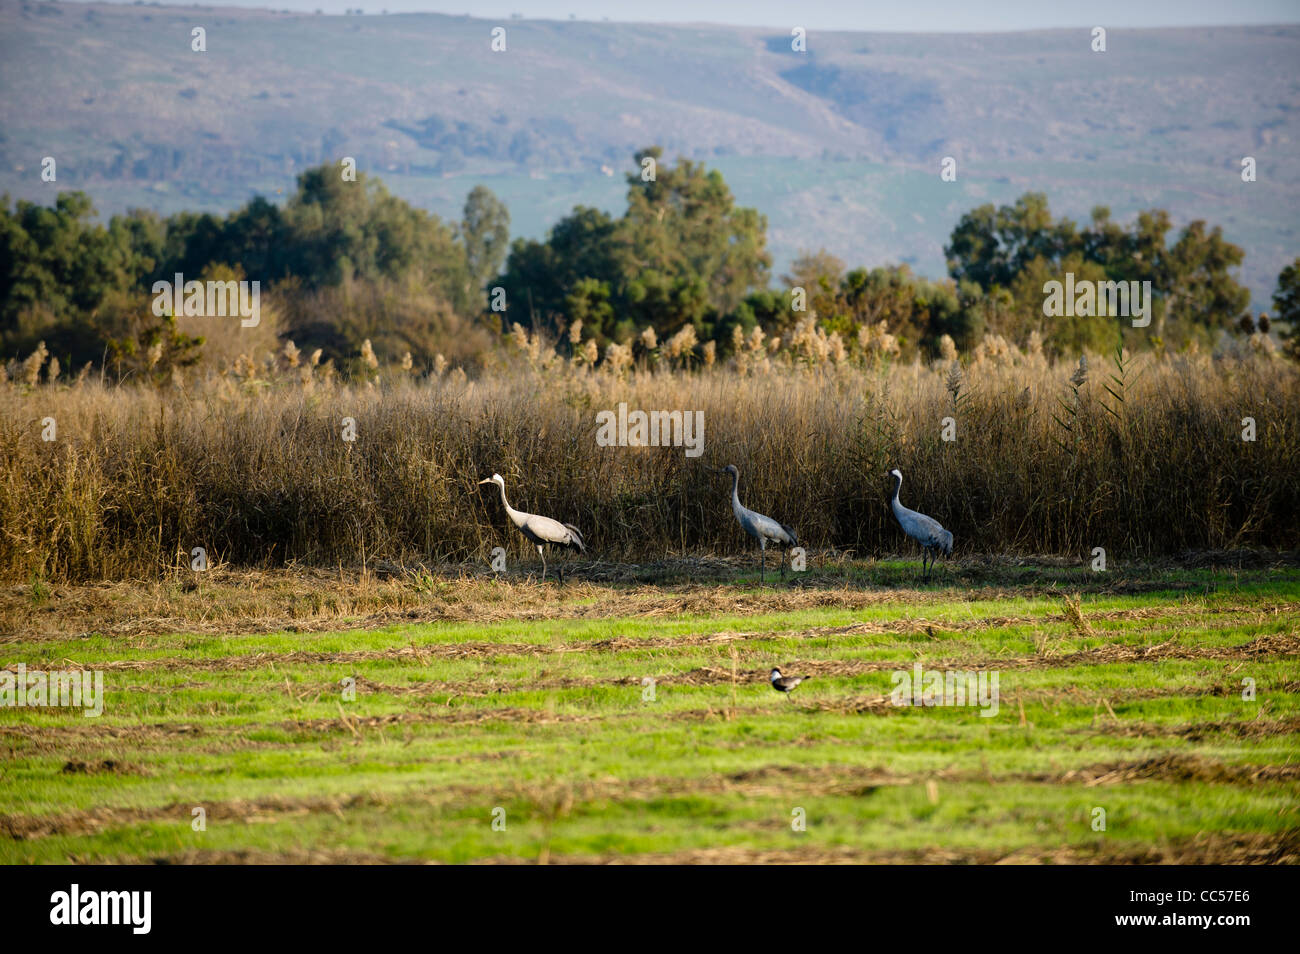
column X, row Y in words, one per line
column 924, row 530
column 757, row 525
column 542, row 531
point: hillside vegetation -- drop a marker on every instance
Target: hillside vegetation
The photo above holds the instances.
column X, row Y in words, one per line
column 839, row 147
column 345, row 262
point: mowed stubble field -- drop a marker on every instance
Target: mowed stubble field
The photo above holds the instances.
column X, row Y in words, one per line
column 480, row 699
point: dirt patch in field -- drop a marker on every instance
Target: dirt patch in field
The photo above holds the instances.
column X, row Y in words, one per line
column 227, row 602
column 1208, row 849
column 22, row 827
column 1073, row 695
column 101, row 767
column 1258, row 728
column 250, row 856
column 1179, row 768
column 1236, row 559
column 254, row 602
column 769, row 781
column 1287, row 644
column 857, row 705
column 1204, row 850
column 454, row 716
column 1270, row 645
column 1279, row 645
column 90, row 740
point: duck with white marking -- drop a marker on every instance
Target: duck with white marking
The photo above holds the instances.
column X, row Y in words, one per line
column 785, row 684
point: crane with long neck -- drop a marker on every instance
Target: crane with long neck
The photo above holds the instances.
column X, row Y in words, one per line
column 926, row 531
column 540, row 531
column 759, row 526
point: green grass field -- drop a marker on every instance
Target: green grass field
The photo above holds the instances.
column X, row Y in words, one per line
column 530, row 704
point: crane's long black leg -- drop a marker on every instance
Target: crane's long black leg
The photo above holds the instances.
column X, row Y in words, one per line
column 762, row 561
column 543, row 556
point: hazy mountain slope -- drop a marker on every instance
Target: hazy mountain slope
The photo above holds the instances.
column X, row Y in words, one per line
column 839, row 147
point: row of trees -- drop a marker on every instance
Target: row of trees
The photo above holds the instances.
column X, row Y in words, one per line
column 346, row 261
column 1018, row 247
column 342, row 256
column 684, row 253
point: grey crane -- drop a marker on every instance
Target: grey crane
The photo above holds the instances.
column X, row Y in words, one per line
column 762, row 528
column 542, row 531
column 924, row 530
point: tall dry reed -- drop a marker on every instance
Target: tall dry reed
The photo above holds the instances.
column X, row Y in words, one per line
column 1141, row 457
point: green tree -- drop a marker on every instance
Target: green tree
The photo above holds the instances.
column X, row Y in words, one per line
column 1191, row 277
column 1194, row 280
column 683, row 253
column 683, row 224
column 540, row 276
column 339, row 231
column 485, row 232
column 1286, row 306
column 588, row 302
column 57, row 269
column 73, row 283
column 990, row 246
column 820, row 275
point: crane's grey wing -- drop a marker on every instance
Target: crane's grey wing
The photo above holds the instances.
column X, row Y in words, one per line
column 924, row 530
column 545, row 530
column 765, row 526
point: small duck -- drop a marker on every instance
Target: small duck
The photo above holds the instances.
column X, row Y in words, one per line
column 785, row 684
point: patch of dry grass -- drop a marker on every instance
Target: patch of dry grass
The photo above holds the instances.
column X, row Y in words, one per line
column 257, row 472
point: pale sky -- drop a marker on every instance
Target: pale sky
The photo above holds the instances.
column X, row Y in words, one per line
column 940, row 16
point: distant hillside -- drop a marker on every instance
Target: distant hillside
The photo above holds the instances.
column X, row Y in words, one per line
column 839, row 147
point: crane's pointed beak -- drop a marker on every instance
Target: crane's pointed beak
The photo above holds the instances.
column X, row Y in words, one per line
column 486, row 481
